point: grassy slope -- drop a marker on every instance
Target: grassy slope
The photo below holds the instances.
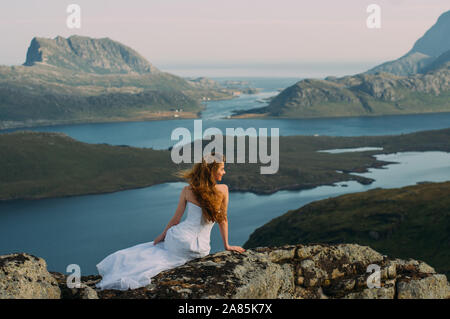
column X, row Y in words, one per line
column 412, row 103
column 44, row 92
column 37, row 165
column 362, row 95
column 408, row 222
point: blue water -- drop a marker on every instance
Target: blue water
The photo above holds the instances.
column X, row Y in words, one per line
column 84, row 229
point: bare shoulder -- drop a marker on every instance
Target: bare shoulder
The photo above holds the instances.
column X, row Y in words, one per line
column 189, row 195
column 223, row 188
column 187, row 190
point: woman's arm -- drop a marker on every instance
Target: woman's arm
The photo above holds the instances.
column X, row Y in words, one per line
column 224, row 233
column 176, row 218
column 223, row 226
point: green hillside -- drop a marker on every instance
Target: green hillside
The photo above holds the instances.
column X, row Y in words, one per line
column 408, row 222
column 81, row 79
column 362, row 95
column 39, row 164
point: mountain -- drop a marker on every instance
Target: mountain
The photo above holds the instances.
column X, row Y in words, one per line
column 408, row 64
column 418, row 82
column 81, row 53
column 363, row 95
column 425, row 51
column 412, row 221
column 442, row 61
column 82, row 79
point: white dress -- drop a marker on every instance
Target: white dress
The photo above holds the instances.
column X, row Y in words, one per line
column 134, row 267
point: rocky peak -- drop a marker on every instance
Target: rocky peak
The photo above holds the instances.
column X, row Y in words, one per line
column 426, row 49
column 436, row 40
column 81, row 53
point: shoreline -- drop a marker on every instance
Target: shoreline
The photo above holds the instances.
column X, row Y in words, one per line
column 145, row 116
column 140, row 116
column 173, row 115
column 271, row 117
column 293, row 187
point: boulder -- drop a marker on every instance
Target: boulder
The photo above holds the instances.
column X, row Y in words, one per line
column 432, row 287
column 24, row 276
column 316, row 271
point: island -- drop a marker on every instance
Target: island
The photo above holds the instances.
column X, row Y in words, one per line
column 39, row 165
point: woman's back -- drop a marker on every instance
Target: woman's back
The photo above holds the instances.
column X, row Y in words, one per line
column 190, row 238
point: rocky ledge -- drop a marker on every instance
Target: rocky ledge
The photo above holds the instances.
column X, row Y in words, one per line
column 316, row 271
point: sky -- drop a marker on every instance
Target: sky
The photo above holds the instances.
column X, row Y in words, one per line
column 232, row 37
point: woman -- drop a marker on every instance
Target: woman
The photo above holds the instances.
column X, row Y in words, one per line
column 206, row 202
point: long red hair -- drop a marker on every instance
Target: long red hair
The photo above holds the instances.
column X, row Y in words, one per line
column 202, row 179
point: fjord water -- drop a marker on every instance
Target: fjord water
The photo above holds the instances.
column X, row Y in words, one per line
column 84, row 229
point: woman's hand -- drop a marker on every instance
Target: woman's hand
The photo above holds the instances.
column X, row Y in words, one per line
column 159, row 238
column 235, row 248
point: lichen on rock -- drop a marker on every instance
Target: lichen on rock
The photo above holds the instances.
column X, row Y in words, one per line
column 316, row 271
column 24, row 276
